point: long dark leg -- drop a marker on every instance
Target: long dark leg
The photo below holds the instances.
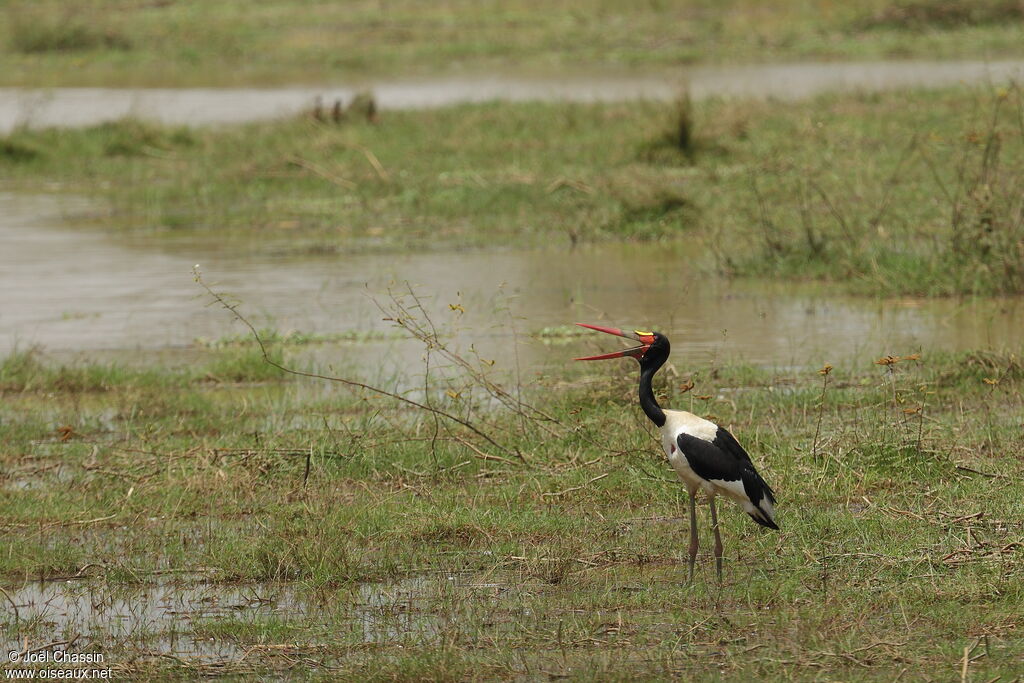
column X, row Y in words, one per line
column 718, row 539
column 693, row 531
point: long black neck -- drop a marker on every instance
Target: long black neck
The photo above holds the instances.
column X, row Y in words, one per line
column 647, row 400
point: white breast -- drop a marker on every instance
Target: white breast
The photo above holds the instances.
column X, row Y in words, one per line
column 681, row 422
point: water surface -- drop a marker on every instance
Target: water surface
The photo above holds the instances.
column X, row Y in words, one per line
column 70, row 290
column 197, row 106
column 200, row 621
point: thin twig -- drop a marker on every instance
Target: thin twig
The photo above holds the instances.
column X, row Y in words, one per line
column 767, row 226
column 883, row 206
column 342, row 380
column 370, row 157
column 575, row 488
column 323, row 173
column 974, row 471
column 840, row 219
column 305, row 475
column 57, row 643
column 17, row 617
column 481, row 454
column 821, row 408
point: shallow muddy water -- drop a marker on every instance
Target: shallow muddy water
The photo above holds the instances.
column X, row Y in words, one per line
column 206, row 621
column 160, row 618
column 76, row 291
column 197, row 106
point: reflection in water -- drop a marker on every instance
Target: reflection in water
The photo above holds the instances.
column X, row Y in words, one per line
column 160, row 618
column 205, row 621
column 196, row 106
column 396, row 611
column 79, row 291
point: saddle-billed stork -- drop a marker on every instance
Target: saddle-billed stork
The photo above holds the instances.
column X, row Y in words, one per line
column 704, row 455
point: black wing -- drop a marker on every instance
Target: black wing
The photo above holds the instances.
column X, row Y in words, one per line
column 726, row 460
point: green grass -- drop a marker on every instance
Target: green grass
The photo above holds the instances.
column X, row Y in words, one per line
column 27, row 372
column 898, row 193
column 191, row 42
column 407, row 554
column 297, row 338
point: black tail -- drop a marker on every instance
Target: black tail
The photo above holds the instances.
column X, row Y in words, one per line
column 761, row 497
column 765, row 521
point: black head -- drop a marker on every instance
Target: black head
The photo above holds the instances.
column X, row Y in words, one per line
column 656, row 353
column 652, row 352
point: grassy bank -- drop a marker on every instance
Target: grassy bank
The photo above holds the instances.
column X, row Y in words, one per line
column 895, row 193
column 190, row 42
column 346, row 534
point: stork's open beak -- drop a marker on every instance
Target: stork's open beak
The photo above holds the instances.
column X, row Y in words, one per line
column 645, row 339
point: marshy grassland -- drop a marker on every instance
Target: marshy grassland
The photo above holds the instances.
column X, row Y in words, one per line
column 221, row 516
column 322, row 532
column 192, row 42
column 917, row 192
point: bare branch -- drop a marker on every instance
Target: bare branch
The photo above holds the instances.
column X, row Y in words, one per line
column 233, row 308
